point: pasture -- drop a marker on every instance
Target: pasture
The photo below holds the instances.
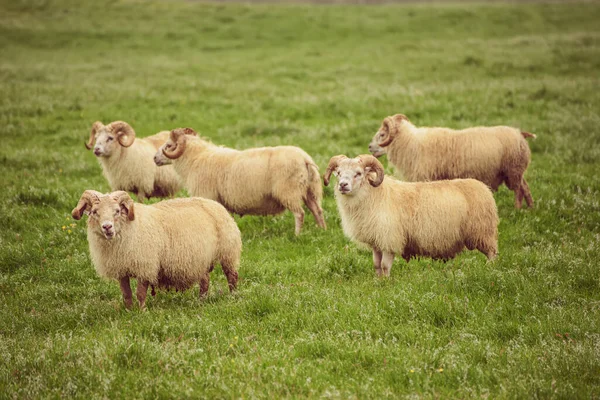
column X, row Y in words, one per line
column 310, row 318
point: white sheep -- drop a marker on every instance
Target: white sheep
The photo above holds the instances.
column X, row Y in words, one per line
column 170, row 244
column 492, row 155
column 429, row 219
column 260, row 181
column 127, row 162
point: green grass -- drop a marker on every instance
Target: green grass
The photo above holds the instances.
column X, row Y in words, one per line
column 310, row 318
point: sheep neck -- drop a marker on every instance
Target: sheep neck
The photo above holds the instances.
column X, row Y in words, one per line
column 405, row 150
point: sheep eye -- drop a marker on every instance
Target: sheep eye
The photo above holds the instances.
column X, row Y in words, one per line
column 357, row 175
column 109, row 139
column 94, row 212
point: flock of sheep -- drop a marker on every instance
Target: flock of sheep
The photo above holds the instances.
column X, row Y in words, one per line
column 445, row 206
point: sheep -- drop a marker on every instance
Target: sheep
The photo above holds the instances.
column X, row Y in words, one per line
column 170, row 244
column 127, row 162
column 430, row 219
column 492, row 155
column 259, row 181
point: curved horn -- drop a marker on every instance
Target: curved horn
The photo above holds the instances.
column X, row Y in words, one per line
column 124, row 131
column 333, row 164
column 95, row 128
column 373, row 164
column 125, row 202
column 87, row 198
column 178, row 137
column 390, row 128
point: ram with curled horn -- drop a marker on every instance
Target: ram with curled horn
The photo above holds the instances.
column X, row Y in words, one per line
column 423, row 219
column 169, row 244
column 259, row 181
column 494, row 155
column 127, row 161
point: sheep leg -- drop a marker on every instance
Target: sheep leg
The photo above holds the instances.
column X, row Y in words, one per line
column 316, row 211
column 141, row 291
column 230, row 273
column 126, row 290
column 377, row 261
column 386, row 263
column 204, row 283
column 489, row 249
column 299, row 216
column 514, row 184
column 527, row 193
column 141, row 196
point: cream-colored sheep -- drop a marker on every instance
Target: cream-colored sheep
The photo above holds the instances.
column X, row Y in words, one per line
column 127, row 162
column 170, row 244
column 261, row 181
column 429, row 219
column 492, row 155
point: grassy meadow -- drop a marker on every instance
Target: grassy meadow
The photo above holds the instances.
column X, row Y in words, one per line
column 310, row 319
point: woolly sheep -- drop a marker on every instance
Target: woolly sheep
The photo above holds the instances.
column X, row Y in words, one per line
column 429, row 219
column 170, row 244
column 492, row 155
column 127, row 162
column 260, row 181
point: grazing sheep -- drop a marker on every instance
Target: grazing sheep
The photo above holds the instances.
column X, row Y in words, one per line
column 429, row 219
column 492, row 155
column 127, row 162
column 261, row 181
column 171, row 244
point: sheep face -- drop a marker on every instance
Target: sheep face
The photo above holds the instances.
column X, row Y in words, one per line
column 106, row 143
column 107, row 213
column 174, row 147
column 354, row 173
column 375, row 148
column 159, row 158
column 108, row 139
column 351, row 176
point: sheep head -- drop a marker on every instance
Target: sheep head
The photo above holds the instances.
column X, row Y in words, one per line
column 352, row 173
column 375, row 148
column 388, row 130
column 174, row 147
column 107, row 212
column 104, row 138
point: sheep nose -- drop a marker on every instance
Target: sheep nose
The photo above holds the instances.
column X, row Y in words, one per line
column 97, row 151
column 343, row 185
column 107, row 226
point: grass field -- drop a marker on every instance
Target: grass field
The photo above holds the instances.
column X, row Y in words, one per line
column 310, row 318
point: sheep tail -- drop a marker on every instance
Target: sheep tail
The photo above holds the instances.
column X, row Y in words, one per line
column 528, row 135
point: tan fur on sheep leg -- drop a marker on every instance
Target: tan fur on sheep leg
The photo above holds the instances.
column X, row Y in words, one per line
column 141, row 291
column 126, row 290
column 204, row 283
column 386, row 263
column 316, row 210
column 527, row 193
column 230, row 273
column 490, row 249
column 377, row 261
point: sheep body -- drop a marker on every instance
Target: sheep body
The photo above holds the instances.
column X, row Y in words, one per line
column 259, row 181
column 131, row 168
column 492, row 155
column 430, row 219
column 170, row 244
